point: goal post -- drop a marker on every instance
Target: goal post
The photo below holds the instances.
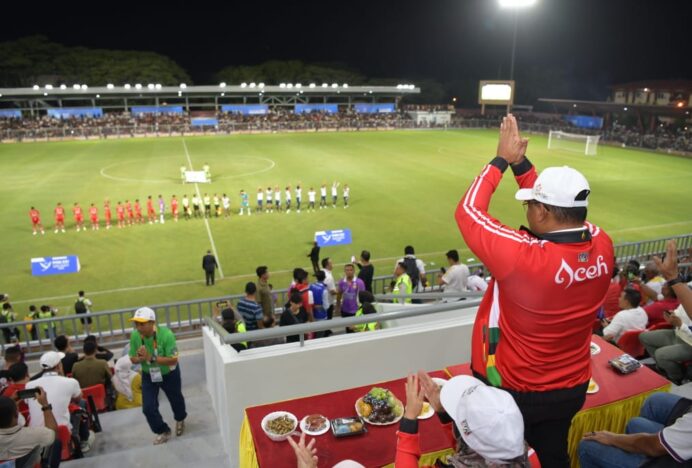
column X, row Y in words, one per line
column 584, row 144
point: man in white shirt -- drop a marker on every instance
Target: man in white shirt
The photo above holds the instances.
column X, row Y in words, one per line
column 61, row 392
column 226, row 204
column 476, row 281
column 631, row 317
column 327, row 267
column 299, row 197
column 186, row 207
column 277, row 198
column 346, row 194
column 323, row 196
column 269, row 196
column 455, row 279
column 311, row 199
column 335, row 193
column 260, row 199
column 287, row 197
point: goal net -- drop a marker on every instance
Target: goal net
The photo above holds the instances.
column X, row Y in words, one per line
column 584, row 144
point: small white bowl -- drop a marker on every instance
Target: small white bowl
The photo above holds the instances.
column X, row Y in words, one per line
column 274, row 415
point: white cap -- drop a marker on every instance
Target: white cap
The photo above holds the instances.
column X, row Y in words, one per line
column 558, row 186
column 488, row 419
column 51, row 359
column 348, row 464
column 143, row 315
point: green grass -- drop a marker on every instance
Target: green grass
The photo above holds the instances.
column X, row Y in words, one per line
column 404, row 189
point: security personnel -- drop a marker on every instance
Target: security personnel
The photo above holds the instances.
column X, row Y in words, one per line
column 402, row 284
column 366, row 299
column 48, row 328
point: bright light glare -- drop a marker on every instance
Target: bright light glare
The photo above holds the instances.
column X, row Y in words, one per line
column 517, row 3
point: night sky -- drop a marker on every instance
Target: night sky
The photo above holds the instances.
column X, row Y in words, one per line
column 592, row 42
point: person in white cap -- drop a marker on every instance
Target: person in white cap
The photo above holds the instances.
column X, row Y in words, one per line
column 488, row 426
column 61, row 392
column 154, row 347
column 533, row 327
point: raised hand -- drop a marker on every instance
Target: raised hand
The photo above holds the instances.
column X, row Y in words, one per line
column 414, row 397
column 432, row 391
column 306, row 455
column 669, row 266
column 511, row 147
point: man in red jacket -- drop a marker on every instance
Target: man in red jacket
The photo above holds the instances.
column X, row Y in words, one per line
column 533, row 328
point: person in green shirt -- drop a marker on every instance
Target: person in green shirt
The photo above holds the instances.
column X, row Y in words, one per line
column 366, row 307
column 402, row 283
column 154, row 347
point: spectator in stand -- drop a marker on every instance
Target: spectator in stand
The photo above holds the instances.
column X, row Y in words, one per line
column 611, row 304
column 366, row 300
column 630, row 317
column 127, row 384
column 455, row 278
column 415, row 268
column 101, row 352
column 347, row 292
column 249, row 309
column 294, row 314
column 315, row 257
column 31, row 328
column 652, row 283
column 320, row 296
column 402, row 283
column 533, row 329
column 62, row 344
column 91, row 371
column 13, row 355
column 659, row 437
column 366, row 271
column 483, row 421
column 476, row 281
column 60, row 391
column 83, row 306
column 264, row 291
column 268, row 322
column 23, row 444
column 327, row 267
column 18, row 377
column 47, row 312
column 232, row 324
column 7, row 315
column 654, row 311
column 303, row 287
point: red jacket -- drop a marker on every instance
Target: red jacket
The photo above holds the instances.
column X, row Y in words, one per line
column 533, row 327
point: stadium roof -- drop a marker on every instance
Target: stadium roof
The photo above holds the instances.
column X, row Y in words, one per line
column 616, row 108
column 656, row 85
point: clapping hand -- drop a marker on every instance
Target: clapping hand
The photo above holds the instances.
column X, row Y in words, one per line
column 143, row 354
column 432, row 391
column 306, row 455
column 511, row 146
column 669, row 266
column 414, row 397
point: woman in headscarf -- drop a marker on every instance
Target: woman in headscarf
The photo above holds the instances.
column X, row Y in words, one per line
column 128, row 384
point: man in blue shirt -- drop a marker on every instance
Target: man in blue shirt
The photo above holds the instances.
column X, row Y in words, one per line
column 249, row 309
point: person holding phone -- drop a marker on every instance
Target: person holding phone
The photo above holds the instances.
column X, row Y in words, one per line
column 25, row 444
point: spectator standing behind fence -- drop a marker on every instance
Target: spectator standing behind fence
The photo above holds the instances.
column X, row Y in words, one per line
column 455, row 278
column 315, row 257
column 155, row 348
column 533, row 327
column 83, row 306
column 249, row 309
column 347, row 292
column 7, row 315
column 48, row 328
column 209, row 266
column 366, row 271
column 264, row 291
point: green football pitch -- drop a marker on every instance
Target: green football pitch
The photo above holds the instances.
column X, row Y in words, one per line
column 405, row 186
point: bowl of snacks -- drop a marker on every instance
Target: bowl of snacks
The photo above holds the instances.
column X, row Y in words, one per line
column 380, row 407
column 279, row 425
column 314, row 424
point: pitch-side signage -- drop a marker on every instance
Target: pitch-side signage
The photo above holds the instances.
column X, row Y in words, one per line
column 334, row 237
column 44, row 266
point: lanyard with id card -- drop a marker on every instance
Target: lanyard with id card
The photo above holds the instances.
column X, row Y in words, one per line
column 155, row 370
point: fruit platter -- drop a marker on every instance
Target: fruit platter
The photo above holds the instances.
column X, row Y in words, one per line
column 380, row 407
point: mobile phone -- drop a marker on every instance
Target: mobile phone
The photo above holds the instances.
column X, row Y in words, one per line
column 27, row 393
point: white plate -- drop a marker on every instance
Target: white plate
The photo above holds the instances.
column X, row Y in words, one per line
column 595, row 349
column 304, row 427
column 394, row 421
column 591, row 390
column 276, row 414
column 440, row 382
column 428, row 414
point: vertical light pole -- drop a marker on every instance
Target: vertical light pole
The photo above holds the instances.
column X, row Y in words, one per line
column 515, row 5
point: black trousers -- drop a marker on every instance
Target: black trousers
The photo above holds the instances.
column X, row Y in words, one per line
column 209, row 276
column 547, row 419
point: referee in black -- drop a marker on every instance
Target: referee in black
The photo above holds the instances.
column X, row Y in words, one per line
column 209, row 266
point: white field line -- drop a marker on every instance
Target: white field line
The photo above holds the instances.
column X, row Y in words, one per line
column 206, row 221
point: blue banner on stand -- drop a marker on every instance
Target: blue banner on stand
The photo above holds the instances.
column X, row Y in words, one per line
column 10, row 113
column 584, row 121
column 381, row 108
column 307, row 108
column 70, row 112
column 334, row 237
column 204, row 122
column 246, row 109
column 156, row 110
column 44, row 266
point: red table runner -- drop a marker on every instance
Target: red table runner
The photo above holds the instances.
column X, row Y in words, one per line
column 613, row 386
column 375, row 448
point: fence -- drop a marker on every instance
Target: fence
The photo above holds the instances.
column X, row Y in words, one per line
column 185, row 318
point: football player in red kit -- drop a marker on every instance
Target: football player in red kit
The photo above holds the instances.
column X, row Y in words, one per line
column 35, row 216
column 120, row 212
column 59, row 218
column 174, row 208
column 107, row 213
column 151, row 213
column 78, row 216
column 138, row 212
column 94, row 216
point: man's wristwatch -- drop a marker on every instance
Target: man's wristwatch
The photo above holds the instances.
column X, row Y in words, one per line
column 674, row 281
column 48, row 407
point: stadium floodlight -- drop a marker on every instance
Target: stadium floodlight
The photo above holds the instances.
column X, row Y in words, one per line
column 150, row 86
column 98, row 96
column 84, row 86
column 158, row 85
column 370, row 91
column 36, row 87
column 325, row 85
column 345, row 85
column 180, row 93
column 75, row 86
column 243, row 85
column 127, row 86
column 253, row 85
column 334, row 85
column 62, row 86
column 517, row 3
column 289, row 85
column 110, row 86
column 282, row 85
column 45, row 94
column 312, row 85
column 49, row 86
column 223, row 94
column 138, row 86
column 299, row 85
column 625, row 109
column 261, row 85
column 222, row 84
column 183, row 86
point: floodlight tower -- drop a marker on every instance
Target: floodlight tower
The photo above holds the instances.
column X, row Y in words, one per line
column 515, row 5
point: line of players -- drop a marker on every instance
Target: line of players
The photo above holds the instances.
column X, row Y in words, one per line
column 128, row 214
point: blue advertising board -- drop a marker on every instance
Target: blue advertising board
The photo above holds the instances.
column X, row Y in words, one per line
column 246, row 109
column 156, row 110
column 382, row 108
column 307, row 108
column 69, row 112
column 584, row 121
column 10, row 113
column 333, row 237
column 204, row 122
column 44, row 266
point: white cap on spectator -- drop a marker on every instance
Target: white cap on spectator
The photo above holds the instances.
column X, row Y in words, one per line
column 558, row 186
column 488, row 419
column 348, row 464
column 51, row 359
column 144, row 315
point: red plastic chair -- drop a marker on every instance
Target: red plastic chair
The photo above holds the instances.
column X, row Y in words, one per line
column 659, row 326
column 65, row 438
column 629, row 343
column 98, row 394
